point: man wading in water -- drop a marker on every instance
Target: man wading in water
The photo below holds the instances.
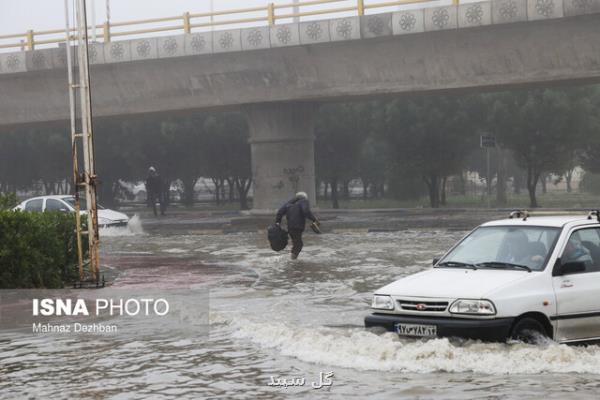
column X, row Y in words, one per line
column 296, row 211
column 155, row 192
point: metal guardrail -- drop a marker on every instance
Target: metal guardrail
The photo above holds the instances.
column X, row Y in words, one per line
column 270, row 14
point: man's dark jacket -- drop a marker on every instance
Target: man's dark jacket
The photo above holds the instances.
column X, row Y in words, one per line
column 296, row 212
column 153, row 185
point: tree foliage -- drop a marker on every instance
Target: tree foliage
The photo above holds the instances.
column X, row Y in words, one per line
column 341, row 130
column 548, row 126
column 226, row 153
column 430, row 137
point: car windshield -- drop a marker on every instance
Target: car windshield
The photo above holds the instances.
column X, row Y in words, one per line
column 504, row 247
column 82, row 205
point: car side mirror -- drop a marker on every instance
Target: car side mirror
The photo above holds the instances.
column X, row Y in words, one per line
column 435, row 261
column 573, row 267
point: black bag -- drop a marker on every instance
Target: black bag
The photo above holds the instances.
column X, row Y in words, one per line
column 278, row 237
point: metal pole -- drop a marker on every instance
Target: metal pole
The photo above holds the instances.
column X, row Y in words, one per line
column 73, row 142
column 88, row 140
column 489, row 184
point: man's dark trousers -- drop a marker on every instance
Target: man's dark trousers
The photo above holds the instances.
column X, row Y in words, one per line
column 296, row 235
column 153, row 198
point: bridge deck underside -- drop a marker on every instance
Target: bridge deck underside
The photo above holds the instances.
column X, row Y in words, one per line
column 494, row 56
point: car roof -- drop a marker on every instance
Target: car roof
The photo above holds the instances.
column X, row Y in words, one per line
column 55, row 196
column 557, row 221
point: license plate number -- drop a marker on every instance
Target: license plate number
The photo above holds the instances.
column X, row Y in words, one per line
column 416, row 330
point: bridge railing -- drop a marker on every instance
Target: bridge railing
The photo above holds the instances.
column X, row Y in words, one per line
column 268, row 14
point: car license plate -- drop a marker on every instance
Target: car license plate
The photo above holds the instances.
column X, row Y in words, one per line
column 416, row 330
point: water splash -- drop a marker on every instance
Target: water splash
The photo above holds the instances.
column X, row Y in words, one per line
column 135, row 225
column 133, row 228
column 362, row 350
column 175, row 251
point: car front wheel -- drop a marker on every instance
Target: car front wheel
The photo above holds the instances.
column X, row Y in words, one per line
column 528, row 330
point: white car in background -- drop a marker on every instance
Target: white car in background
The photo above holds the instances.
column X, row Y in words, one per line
column 106, row 217
column 517, row 278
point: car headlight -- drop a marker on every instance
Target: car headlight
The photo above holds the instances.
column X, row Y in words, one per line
column 382, row 302
column 476, row 307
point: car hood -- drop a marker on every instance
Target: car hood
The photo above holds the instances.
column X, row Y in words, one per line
column 453, row 283
column 112, row 215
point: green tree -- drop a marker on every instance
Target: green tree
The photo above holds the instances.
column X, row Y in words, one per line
column 19, row 167
column 543, row 122
column 117, row 154
column 226, row 153
column 589, row 156
column 431, row 137
column 373, row 166
column 183, row 138
column 52, row 152
column 340, row 130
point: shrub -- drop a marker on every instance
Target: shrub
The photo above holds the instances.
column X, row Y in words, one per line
column 7, row 201
column 37, row 250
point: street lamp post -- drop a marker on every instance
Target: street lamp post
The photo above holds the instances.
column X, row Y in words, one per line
column 487, row 142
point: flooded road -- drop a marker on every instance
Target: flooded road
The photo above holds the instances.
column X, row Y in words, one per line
column 273, row 317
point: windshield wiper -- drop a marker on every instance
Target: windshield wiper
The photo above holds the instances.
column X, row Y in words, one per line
column 456, row 264
column 492, row 264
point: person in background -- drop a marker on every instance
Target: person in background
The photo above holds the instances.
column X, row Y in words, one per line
column 154, row 190
column 296, row 212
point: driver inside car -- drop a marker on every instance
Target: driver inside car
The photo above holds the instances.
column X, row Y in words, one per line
column 519, row 250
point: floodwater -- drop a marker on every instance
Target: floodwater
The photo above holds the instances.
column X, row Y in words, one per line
column 273, row 318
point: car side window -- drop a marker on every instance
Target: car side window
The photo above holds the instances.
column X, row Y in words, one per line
column 34, row 205
column 584, row 246
column 55, row 205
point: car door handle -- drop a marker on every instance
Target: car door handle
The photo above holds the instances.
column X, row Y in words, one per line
column 566, row 284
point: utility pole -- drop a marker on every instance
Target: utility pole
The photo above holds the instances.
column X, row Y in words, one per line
column 74, row 151
column 84, row 132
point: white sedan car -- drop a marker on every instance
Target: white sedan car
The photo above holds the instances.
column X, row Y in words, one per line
column 106, row 217
column 518, row 278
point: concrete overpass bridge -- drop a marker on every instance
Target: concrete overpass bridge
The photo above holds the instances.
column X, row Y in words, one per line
column 278, row 74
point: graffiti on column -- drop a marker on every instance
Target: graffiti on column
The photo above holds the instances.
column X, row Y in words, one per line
column 293, row 175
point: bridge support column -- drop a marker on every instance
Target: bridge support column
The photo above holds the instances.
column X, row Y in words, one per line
column 282, row 144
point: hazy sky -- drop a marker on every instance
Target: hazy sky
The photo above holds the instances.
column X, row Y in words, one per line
column 20, row 15
column 17, row 16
